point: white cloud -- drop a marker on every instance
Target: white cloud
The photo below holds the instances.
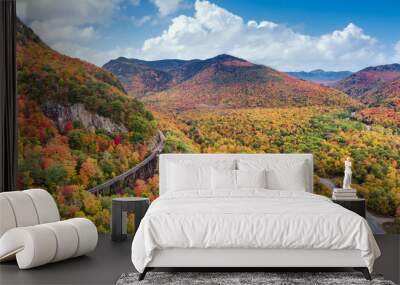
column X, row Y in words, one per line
column 93, row 55
column 135, row 2
column 166, row 7
column 67, row 27
column 68, row 13
column 142, row 20
column 63, row 23
column 52, row 34
column 213, row 30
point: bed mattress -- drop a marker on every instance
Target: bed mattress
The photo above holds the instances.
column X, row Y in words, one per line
column 250, row 219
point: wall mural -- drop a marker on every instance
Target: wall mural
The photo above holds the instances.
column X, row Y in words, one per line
column 91, row 108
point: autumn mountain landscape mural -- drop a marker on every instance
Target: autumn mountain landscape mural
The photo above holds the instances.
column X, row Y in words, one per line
column 82, row 124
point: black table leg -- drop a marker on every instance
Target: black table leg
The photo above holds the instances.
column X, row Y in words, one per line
column 116, row 225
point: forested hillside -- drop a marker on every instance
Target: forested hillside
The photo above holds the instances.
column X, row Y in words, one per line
column 77, row 127
column 378, row 87
column 367, row 80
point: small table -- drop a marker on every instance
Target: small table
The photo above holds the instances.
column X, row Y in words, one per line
column 357, row 205
column 120, row 208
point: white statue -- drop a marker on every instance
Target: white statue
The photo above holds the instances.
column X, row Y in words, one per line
column 347, row 174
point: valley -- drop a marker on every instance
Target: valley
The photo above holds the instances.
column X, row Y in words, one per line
column 325, row 132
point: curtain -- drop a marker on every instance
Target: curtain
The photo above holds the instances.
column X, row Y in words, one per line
column 8, row 132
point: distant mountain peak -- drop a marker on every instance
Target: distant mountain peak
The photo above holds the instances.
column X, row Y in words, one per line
column 321, row 76
column 225, row 56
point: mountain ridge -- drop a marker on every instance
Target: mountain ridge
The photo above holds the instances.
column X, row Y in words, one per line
column 223, row 81
column 374, row 85
column 385, row 67
column 141, row 77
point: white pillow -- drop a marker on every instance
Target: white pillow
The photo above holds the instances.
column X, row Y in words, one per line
column 188, row 177
column 224, row 179
column 281, row 175
column 251, row 178
column 293, row 180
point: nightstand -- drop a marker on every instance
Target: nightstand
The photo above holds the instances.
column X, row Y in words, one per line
column 119, row 215
column 357, row 205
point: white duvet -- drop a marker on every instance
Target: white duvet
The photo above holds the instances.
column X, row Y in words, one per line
column 252, row 218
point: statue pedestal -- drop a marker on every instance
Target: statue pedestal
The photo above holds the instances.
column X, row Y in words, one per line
column 342, row 194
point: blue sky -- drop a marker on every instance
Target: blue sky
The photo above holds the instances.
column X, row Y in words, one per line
column 285, row 34
column 378, row 18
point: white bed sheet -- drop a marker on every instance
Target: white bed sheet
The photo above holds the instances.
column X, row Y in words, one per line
column 251, row 218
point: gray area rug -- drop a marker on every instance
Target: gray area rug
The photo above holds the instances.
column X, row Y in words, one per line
column 269, row 278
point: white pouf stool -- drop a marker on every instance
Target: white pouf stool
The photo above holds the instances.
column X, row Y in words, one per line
column 31, row 230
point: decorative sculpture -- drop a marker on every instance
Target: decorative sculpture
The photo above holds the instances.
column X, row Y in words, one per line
column 347, row 174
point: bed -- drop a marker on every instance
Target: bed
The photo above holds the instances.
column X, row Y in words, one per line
column 247, row 210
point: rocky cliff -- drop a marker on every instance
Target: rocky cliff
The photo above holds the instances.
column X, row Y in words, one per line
column 77, row 112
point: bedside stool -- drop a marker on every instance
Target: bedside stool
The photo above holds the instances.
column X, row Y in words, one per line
column 357, row 205
column 119, row 212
